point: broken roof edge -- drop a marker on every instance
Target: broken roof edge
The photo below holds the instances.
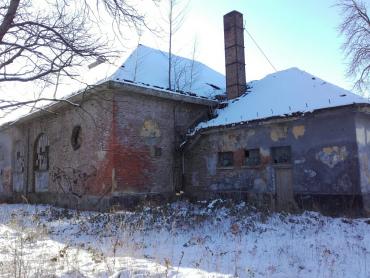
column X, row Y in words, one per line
column 281, row 118
column 74, row 99
column 161, row 93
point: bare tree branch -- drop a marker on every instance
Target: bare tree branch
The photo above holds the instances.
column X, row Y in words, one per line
column 8, row 18
column 44, row 41
column 356, row 30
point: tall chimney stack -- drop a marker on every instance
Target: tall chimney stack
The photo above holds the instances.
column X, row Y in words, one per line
column 234, row 54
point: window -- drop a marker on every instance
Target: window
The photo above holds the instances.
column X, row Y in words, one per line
column 42, row 153
column 281, row 155
column 157, row 152
column 76, row 137
column 252, row 157
column 225, row 159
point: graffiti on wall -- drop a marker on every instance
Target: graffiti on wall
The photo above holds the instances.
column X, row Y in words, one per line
column 73, row 181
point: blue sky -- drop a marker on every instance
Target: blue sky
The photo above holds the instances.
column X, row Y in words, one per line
column 292, row 33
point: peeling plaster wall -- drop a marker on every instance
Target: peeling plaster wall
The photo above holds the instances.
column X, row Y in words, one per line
column 363, row 141
column 324, row 155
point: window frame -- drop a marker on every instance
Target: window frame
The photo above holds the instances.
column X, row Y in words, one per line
column 254, row 165
column 280, row 148
column 219, row 160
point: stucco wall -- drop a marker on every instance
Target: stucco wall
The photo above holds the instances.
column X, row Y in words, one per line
column 363, row 141
column 323, row 146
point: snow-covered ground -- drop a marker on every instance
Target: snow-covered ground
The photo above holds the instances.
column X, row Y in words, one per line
column 216, row 239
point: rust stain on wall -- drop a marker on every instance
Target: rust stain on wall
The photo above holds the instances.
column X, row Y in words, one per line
column 126, row 167
column 298, row 131
column 239, row 157
column 265, row 156
column 332, row 155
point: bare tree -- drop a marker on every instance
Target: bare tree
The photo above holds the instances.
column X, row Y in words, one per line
column 356, row 30
column 41, row 40
column 175, row 19
column 185, row 72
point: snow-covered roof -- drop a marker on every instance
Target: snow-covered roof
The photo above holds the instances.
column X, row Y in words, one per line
column 282, row 93
column 149, row 66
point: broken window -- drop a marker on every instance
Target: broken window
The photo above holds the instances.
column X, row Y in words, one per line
column 252, row 157
column 76, row 138
column 281, row 154
column 42, row 153
column 225, row 159
column 18, row 157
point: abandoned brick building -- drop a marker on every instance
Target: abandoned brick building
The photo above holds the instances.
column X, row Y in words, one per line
column 289, row 136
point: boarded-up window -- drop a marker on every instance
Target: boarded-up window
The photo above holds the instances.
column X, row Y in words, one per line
column 225, row 159
column 42, row 153
column 18, row 157
column 252, row 157
column 281, row 155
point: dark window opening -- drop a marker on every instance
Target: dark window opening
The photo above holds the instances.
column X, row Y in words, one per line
column 281, row 155
column 252, row 157
column 225, row 159
column 157, row 152
column 76, row 138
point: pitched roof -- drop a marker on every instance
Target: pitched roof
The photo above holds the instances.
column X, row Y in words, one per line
column 149, row 67
column 282, row 93
column 146, row 70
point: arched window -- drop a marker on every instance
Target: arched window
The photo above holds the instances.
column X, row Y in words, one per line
column 42, row 153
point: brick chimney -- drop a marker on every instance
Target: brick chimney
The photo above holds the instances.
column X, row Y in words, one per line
column 234, row 54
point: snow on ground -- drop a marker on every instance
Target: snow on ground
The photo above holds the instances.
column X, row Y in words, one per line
column 216, row 239
column 283, row 93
